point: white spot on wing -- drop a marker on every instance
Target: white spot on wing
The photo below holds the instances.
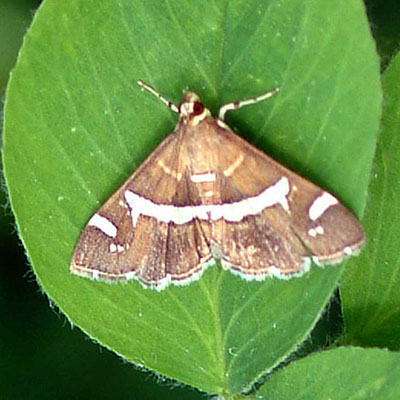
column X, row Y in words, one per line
column 206, row 177
column 130, row 275
column 347, row 250
column 320, row 205
column 112, row 248
column 273, row 195
column 105, row 225
column 319, row 230
column 116, row 248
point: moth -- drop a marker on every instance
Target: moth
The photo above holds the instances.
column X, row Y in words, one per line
column 206, row 194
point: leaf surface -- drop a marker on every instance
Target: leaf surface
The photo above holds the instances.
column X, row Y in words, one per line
column 77, row 125
column 339, row 374
column 373, row 319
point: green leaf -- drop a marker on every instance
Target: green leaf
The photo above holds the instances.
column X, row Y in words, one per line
column 343, row 373
column 374, row 318
column 76, row 126
column 14, row 18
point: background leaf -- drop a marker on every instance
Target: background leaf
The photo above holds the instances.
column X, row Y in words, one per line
column 339, row 374
column 374, row 318
column 76, row 126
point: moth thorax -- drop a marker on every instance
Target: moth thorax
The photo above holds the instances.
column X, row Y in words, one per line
column 192, row 110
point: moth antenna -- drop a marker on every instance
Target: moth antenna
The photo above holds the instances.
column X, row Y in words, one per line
column 235, row 105
column 168, row 103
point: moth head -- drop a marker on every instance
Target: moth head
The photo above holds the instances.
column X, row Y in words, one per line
column 192, row 110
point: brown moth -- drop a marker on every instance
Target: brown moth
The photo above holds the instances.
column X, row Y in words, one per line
column 206, row 194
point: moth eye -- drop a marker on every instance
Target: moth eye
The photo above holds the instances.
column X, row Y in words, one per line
column 198, row 108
